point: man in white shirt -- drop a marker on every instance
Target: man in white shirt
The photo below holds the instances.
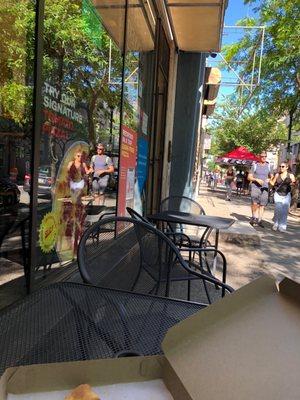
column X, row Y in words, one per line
column 102, row 166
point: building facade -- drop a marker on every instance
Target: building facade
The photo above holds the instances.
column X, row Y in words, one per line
column 123, row 73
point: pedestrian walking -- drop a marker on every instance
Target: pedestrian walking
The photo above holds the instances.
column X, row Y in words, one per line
column 206, row 176
column 229, row 178
column 259, row 176
column 246, row 183
column 282, row 183
column 210, row 179
column 239, row 183
column 215, row 176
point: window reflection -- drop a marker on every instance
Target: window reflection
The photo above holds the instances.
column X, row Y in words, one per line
column 82, row 69
column 136, row 131
column 16, row 69
column 82, row 84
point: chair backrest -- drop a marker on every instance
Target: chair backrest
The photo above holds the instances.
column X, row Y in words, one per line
column 128, row 254
column 181, row 203
column 135, row 215
column 116, row 246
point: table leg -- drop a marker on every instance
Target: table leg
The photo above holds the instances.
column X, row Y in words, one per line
column 215, row 254
column 202, row 243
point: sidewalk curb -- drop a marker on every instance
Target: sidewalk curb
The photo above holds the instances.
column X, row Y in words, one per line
column 239, row 238
column 241, row 233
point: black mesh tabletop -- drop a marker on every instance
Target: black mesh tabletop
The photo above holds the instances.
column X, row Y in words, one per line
column 69, row 321
column 180, row 217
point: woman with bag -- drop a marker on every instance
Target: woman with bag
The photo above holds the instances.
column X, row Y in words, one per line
column 282, row 183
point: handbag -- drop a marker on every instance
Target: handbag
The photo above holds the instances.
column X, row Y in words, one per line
column 279, row 186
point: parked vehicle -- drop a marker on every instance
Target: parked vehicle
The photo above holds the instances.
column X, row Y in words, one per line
column 44, row 181
column 9, row 192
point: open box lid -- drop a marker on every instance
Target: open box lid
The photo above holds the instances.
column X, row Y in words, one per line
column 246, row 346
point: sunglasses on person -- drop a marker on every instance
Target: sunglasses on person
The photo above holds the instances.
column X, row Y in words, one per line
column 282, row 166
column 78, row 155
column 100, row 148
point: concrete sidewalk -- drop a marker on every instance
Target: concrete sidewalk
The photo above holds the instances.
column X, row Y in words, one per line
column 250, row 251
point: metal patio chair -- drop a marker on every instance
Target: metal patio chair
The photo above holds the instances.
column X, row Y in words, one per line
column 135, row 215
column 181, row 203
column 140, row 258
column 198, row 237
column 178, row 238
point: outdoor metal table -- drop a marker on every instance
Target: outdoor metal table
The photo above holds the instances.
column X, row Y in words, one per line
column 70, row 321
column 208, row 221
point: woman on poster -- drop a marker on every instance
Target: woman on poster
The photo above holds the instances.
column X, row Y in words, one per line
column 70, row 187
column 77, row 171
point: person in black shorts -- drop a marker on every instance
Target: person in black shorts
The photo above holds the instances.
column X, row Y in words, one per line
column 246, row 183
column 239, row 180
column 259, row 176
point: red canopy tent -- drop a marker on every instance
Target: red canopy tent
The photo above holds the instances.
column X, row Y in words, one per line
column 240, row 155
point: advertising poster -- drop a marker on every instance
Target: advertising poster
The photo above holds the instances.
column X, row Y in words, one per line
column 128, row 154
column 62, row 227
column 60, row 114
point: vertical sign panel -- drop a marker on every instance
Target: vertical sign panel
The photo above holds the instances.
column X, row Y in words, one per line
column 127, row 169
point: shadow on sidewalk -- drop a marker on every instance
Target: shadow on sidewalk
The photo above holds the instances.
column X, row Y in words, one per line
column 220, row 193
column 240, row 217
column 246, row 218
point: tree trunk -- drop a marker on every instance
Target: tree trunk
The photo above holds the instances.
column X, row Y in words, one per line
column 295, row 196
column 291, row 114
column 91, row 125
column 295, row 188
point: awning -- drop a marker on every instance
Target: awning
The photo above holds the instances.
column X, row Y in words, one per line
column 212, row 82
column 140, row 26
column 240, row 155
column 209, row 107
column 196, row 24
column 211, row 89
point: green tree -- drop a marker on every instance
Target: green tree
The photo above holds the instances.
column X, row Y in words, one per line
column 255, row 129
column 77, row 63
column 16, row 49
column 74, row 60
column 278, row 91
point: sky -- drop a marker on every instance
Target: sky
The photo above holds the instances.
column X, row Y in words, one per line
column 235, row 11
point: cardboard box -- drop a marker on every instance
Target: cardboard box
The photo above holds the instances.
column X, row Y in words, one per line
column 246, row 346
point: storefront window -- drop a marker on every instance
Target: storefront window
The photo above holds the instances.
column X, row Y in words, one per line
column 138, row 104
column 17, row 21
column 78, row 173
